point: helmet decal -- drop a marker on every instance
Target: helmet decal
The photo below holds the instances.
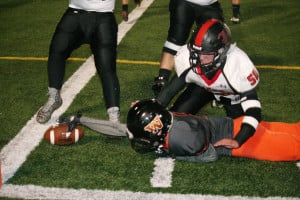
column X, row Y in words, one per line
column 155, row 125
column 147, row 125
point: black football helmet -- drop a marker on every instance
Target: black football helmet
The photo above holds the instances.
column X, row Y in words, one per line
column 208, row 47
column 147, row 125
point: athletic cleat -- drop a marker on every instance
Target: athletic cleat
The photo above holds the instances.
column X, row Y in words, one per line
column 72, row 121
column 114, row 114
column 235, row 20
column 54, row 102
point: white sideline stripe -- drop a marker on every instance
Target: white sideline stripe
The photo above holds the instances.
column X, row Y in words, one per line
column 162, row 174
column 38, row 192
column 14, row 154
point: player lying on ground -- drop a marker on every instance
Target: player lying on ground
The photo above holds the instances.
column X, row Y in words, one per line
column 152, row 128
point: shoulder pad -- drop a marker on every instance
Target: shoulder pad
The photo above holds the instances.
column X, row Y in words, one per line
column 182, row 60
column 240, row 72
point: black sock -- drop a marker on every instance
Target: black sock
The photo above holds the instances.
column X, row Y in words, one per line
column 236, row 10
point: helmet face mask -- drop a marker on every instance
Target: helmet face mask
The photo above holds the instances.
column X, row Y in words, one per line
column 147, row 125
column 208, row 47
column 142, row 145
column 207, row 58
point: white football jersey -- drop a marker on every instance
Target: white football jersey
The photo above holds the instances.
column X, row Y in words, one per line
column 93, row 5
column 239, row 74
column 202, row 2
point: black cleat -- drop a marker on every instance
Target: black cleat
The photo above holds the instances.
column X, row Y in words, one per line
column 71, row 121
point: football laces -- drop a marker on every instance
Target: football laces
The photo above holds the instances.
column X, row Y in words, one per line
column 68, row 134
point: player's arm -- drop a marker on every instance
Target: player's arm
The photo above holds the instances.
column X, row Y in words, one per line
column 252, row 116
column 210, row 155
column 137, row 3
column 175, row 85
column 161, row 80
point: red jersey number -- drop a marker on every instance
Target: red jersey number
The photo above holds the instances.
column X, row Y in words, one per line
column 253, row 77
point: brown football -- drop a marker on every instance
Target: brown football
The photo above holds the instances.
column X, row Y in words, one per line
column 59, row 135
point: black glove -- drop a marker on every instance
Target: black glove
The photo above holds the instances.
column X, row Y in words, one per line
column 159, row 83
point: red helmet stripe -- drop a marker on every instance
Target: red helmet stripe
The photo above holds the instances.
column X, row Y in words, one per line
column 201, row 33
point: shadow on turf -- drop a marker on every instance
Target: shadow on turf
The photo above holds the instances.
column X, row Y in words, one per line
column 13, row 4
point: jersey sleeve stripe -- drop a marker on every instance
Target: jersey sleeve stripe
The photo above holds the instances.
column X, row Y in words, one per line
column 251, row 121
column 250, row 104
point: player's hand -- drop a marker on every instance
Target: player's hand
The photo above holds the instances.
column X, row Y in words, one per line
column 124, row 15
column 137, row 3
column 227, row 143
column 133, row 103
column 124, row 12
column 159, row 83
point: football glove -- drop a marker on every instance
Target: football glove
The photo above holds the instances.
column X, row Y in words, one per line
column 159, row 83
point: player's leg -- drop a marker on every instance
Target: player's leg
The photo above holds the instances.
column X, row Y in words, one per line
column 181, row 22
column 101, row 126
column 104, row 48
column 192, row 100
column 274, row 141
column 65, row 39
column 204, row 13
column 235, row 4
column 293, row 128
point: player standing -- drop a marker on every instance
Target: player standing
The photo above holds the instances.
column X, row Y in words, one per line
column 92, row 22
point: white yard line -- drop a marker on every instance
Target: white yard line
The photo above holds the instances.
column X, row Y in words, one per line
column 15, row 153
column 162, row 174
column 38, row 192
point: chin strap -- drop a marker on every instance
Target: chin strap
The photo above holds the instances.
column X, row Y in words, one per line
column 161, row 151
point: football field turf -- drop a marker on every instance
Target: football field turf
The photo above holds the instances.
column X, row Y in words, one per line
column 97, row 165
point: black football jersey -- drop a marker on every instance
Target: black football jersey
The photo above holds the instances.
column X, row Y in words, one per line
column 191, row 135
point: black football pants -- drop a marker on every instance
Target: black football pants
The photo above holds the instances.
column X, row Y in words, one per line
column 183, row 15
column 99, row 30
